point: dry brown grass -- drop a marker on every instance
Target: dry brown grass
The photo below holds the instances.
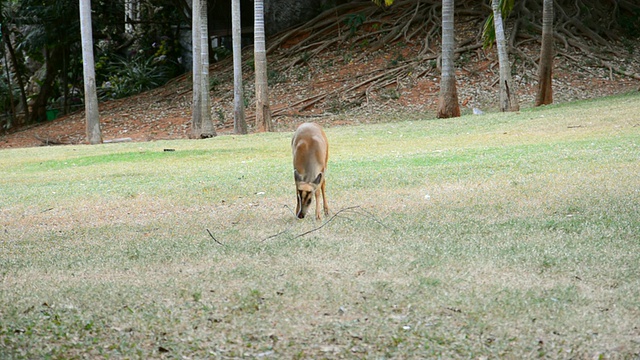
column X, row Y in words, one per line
column 502, row 236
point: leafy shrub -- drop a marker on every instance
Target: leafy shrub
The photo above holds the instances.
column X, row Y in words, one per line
column 220, row 53
column 354, row 21
column 126, row 77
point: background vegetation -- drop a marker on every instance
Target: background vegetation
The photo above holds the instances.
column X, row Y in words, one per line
column 502, row 236
column 47, row 59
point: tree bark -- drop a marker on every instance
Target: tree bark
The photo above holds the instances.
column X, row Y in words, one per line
column 263, row 110
column 94, row 135
column 201, row 124
column 448, row 100
column 196, row 104
column 52, row 59
column 208, row 130
column 12, row 119
column 14, row 60
column 508, row 93
column 239, row 122
column 545, row 69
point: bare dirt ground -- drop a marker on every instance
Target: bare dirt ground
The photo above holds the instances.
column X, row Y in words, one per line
column 336, row 87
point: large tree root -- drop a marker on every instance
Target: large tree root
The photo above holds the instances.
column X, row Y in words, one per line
column 362, row 24
column 363, row 31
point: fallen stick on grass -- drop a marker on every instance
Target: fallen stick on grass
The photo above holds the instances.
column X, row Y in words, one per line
column 283, row 231
column 367, row 213
column 214, row 239
column 326, row 222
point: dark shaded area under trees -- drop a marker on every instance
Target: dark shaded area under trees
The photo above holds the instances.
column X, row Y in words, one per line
column 47, row 52
column 47, row 40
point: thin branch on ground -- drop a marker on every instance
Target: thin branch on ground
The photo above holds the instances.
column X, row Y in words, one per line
column 618, row 70
column 326, row 222
column 283, row 231
column 48, row 141
column 352, row 209
column 214, row 239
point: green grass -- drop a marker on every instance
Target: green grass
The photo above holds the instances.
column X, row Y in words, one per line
column 494, row 236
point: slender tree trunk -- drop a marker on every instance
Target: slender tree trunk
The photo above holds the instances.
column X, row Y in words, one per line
column 508, row 92
column 65, row 84
column 201, row 125
column 263, row 110
column 52, row 59
column 208, row 130
column 12, row 119
column 94, row 135
column 196, row 105
column 14, row 60
column 448, row 101
column 239, row 122
column 545, row 68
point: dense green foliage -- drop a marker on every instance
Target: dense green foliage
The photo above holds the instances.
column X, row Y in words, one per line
column 47, row 35
column 7, row 92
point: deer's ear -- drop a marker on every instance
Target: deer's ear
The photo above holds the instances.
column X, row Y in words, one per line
column 296, row 176
column 318, row 179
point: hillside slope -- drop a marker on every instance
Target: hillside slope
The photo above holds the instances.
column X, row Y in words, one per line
column 345, row 77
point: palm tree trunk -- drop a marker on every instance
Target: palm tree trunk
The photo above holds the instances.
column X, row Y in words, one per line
column 208, row 130
column 94, row 135
column 201, row 124
column 545, row 69
column 239, row 123
column 448, row 101
column 508, row 94
column 196, row 107
column 263, row 110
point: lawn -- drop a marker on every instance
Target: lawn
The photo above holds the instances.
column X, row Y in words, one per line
column 496, row 236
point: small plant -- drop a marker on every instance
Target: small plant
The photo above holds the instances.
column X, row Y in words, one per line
column 347, row 57
column 276, row 77
column 395, row 61
column 251, row 63
column 220, row 52
column 305, row 57
column 213, row 83
column 390, row 94
column 301, row 73
column 246, row 98
column 221, row 117
column 354, row 21
column 335, row 105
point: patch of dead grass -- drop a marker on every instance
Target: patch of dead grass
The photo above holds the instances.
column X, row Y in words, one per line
column 469, row 242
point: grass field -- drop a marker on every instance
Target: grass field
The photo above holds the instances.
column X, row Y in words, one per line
column 496, row 236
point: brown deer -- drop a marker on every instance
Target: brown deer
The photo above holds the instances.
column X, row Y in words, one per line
column 310, row 155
